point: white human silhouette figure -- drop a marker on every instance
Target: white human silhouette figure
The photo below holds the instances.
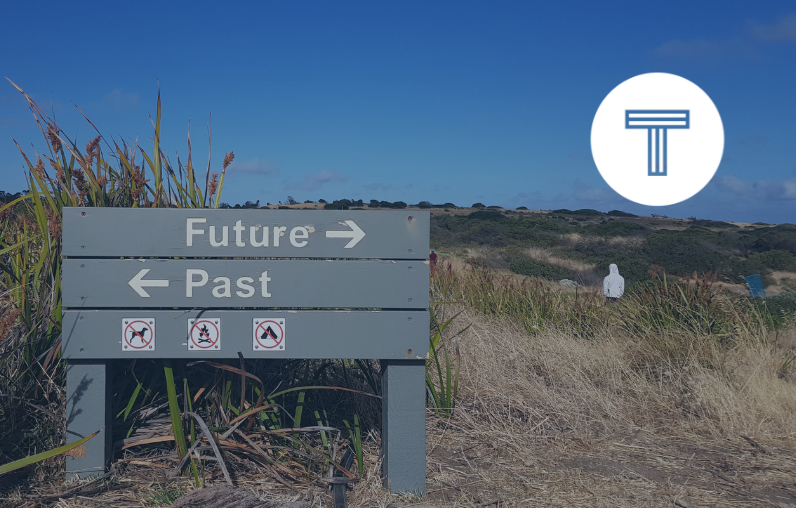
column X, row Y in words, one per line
column 613, row 284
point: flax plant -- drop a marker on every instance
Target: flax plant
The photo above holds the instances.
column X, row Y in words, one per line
column 122, row 175
column 444, row 353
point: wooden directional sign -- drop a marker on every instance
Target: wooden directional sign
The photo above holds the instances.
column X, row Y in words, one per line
column 157, row 232
column 171, row 265
column 400, row 335
column 276, row 284
column 218, row 283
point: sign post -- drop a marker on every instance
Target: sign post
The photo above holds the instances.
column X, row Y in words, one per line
column 159, row 283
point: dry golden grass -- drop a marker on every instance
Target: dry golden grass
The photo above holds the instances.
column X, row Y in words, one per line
column 783, row 281
column 556, row 421
column 542, row 254
column 553, row 420
column 628, row 241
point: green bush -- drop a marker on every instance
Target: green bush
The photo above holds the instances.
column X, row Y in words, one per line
column 779, row 310
column 613, row 228
column 487, row 215
column 619, row 213
column 775, row 260
column 534, row 268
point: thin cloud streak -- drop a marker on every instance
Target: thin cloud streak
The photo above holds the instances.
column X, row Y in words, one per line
column 769, row 190
column 316, row 181
column 118, row 100
column 255, row 166
column 781, row 31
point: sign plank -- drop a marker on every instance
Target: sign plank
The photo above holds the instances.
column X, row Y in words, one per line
column 154, row 232
column 398, row 335
column 217, row 283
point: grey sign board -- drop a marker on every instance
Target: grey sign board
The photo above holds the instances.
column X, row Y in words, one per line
column 268, row 284
column 396, row 335
column 211, row 283
column 157, row 232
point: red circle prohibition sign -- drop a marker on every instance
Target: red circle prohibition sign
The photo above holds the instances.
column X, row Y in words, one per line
column 141, row 334
column 205, row 334
column 267, row 335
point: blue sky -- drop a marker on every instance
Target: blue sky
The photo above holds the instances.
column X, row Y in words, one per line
column 446, row 101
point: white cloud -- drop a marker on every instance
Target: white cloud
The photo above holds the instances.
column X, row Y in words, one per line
column 773, row 190
column 783, row 30
column 317, row 180
column 583, row 192
column 777, row 190
column 118, row 100
column 255, row 166
column 746, row 43
column 731, row 185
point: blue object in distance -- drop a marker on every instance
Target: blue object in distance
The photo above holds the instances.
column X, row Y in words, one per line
column 755, row 285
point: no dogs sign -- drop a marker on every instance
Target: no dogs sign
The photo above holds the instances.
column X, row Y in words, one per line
column 138, row 334
column 204, row 334
column 269, row 334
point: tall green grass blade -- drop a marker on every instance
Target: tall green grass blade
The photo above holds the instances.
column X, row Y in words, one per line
column 358, row 445
column 43, row 456
column 132, row 400
column 189, row 409
column 299, row 411
column 174, row 409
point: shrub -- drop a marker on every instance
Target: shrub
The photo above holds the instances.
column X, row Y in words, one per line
column 487, row 215
column 614, row 228
column 775, row 260
column 586, row 211
column 534, row 268
column 339, row 204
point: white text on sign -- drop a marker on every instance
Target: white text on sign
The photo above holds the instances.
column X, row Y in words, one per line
column 258, row 235
column 262, row 236
column 195, row 278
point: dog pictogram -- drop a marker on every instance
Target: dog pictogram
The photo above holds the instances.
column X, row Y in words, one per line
column 138, row 334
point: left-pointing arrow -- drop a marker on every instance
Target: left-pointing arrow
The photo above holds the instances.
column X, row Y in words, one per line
column 138, row 283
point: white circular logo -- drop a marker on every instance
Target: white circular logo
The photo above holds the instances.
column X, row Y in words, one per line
column 657, row 139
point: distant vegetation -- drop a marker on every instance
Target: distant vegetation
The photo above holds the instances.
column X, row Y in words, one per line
column 7, row 197
column 592, row 238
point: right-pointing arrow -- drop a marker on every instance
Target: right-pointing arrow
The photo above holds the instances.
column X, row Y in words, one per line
column 138, row 283
column 356, row 234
